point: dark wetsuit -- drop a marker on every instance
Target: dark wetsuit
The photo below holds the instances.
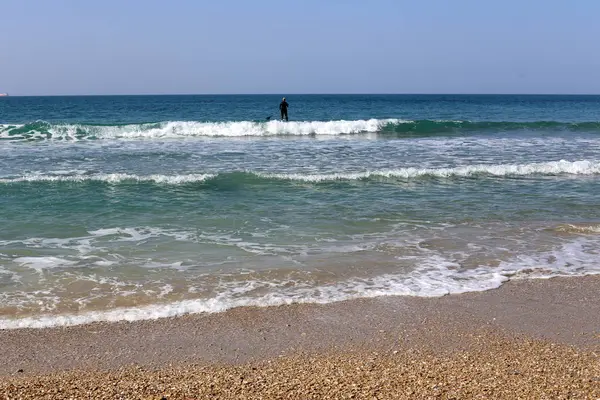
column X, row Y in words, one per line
column 283, row 106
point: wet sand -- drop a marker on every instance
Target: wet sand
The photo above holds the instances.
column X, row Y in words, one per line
column 527, row 339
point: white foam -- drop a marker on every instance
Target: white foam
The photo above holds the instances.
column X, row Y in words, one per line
column 182, row 129
column 10, row 126
column 435, row 276
column 382, row 286
column 562, row 167
column 570, row 228
column 44, row 300
column 110, row 178
column 271, row 128
column 576, row 258
column 92, row 249
column 139, row 233
column 127, row 234
column 6, row 275
column 165, row 290
column 41, row 263
column 548, row 168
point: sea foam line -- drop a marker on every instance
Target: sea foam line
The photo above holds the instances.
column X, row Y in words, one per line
column 41, row 130
column 435, row 277
column 583, row 167
column 182, row 129
column 549, row 168
column 430, row 286
column 111, row 178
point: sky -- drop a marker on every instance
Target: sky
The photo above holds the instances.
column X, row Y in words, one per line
column 77, row 47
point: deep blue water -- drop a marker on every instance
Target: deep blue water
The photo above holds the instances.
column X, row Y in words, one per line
column 139, row 109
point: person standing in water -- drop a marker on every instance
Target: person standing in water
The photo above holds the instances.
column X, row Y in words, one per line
column 283, row 106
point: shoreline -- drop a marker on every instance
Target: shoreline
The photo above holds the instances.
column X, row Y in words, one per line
column 563, row 310
column 526, row 339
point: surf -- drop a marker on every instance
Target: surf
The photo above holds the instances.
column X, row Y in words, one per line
column 475, row 171
column 433, row 276
column 390, row 127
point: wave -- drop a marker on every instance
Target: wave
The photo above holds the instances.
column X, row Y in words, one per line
column 435, row 277
column 392, row 127
column 110, row 178
column 578, row 229
column 183, row 129
column 549, row 168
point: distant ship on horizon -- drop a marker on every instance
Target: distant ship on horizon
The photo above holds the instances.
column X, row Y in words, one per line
column 3, row 94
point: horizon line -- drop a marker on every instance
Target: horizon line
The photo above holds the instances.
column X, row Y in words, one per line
column 303, row 94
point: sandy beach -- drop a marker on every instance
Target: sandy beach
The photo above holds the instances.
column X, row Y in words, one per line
column 527, row 339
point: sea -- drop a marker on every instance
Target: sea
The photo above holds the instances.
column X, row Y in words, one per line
column 124, row 208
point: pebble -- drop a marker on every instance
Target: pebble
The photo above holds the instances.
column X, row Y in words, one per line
column 494, row 368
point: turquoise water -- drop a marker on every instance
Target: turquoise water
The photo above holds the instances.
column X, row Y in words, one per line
column 137, row 207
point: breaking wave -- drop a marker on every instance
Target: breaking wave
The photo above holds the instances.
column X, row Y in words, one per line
column 549, row 168
column 392, row 127
column 578, row 229
column 435, row 277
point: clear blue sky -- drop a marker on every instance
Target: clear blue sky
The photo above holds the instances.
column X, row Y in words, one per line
column 303, row 46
